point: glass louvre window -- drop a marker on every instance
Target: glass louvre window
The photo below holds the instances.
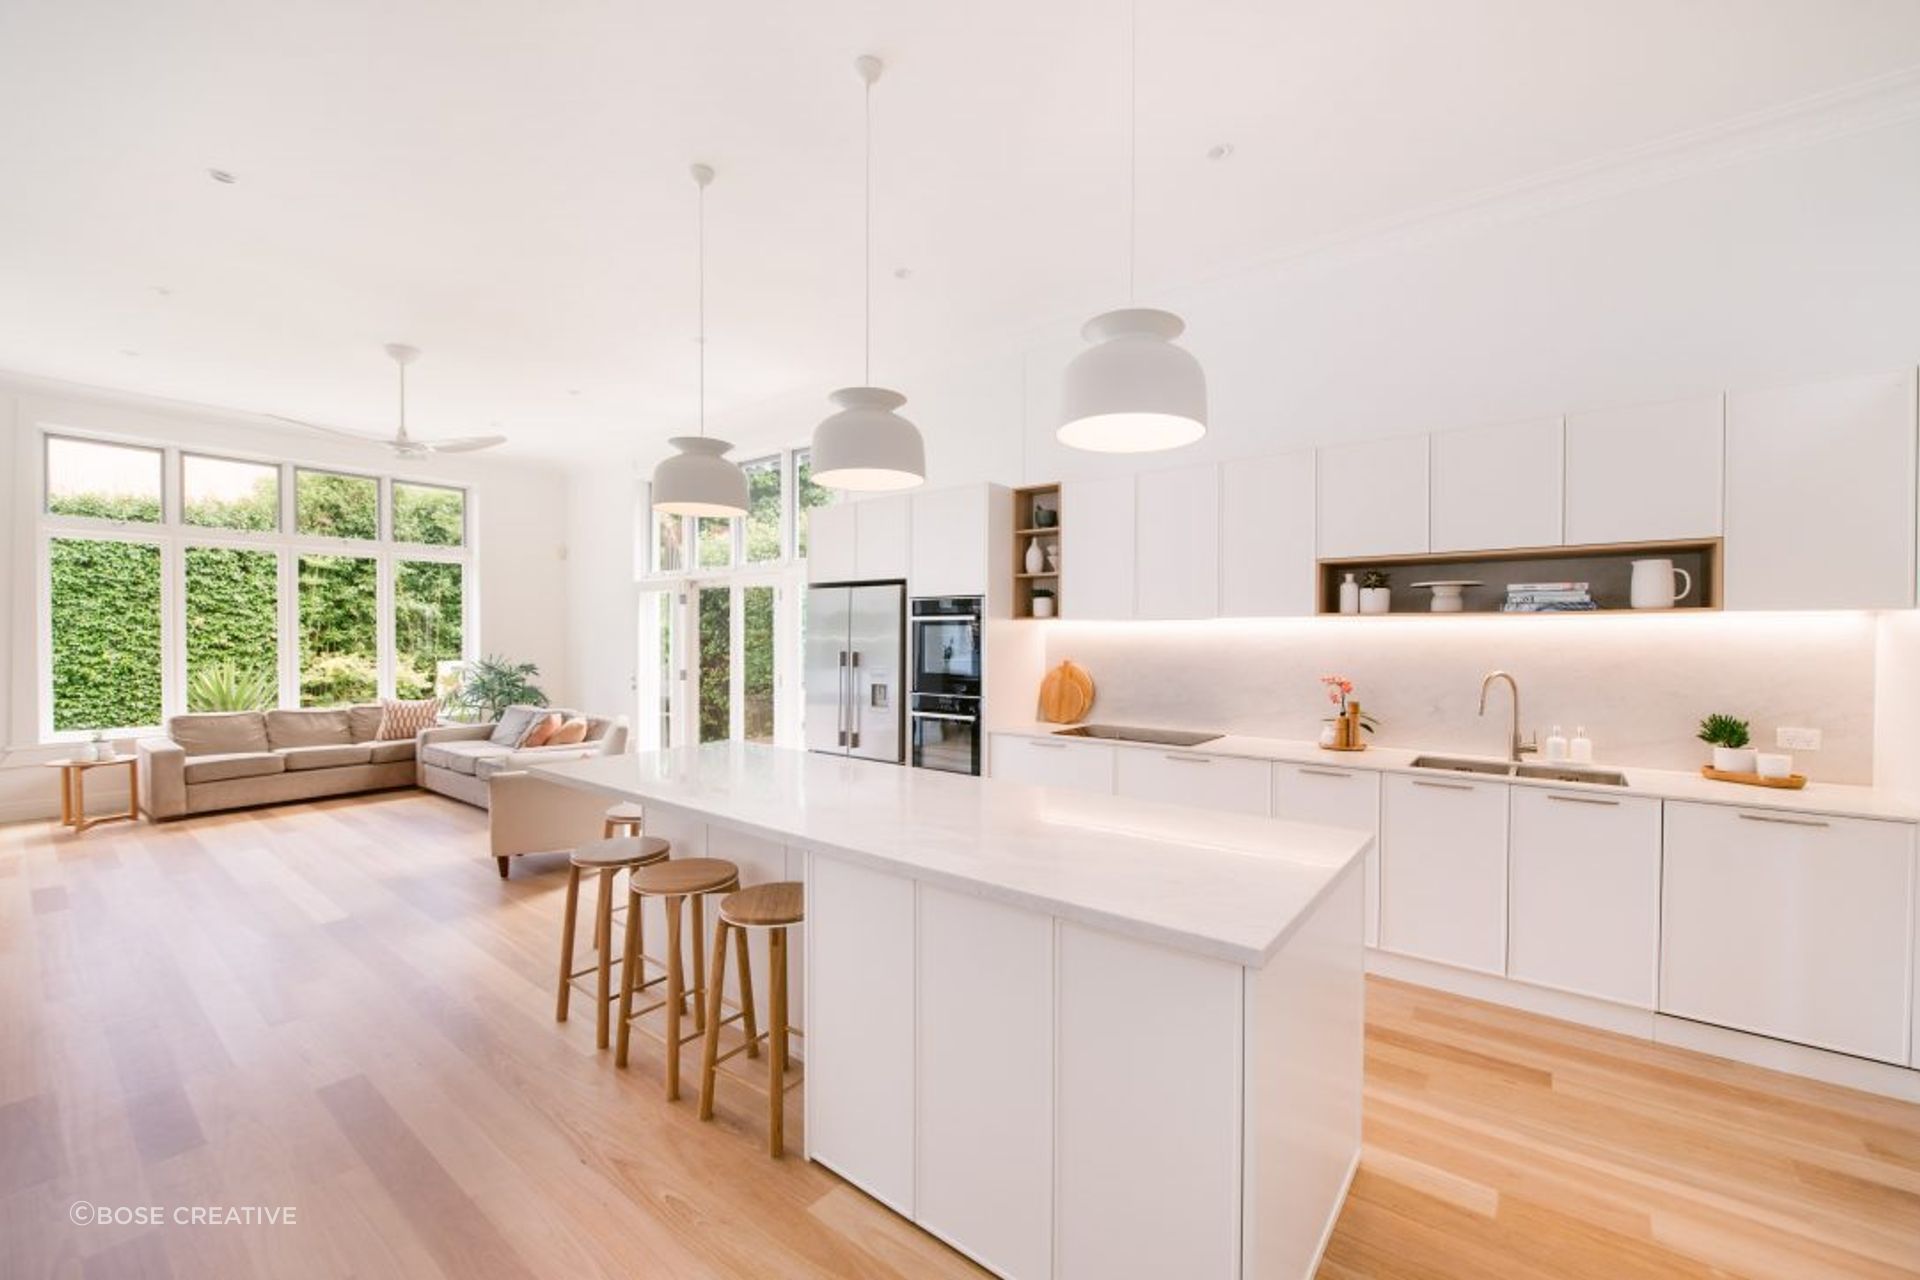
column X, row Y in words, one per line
column 103, row 481
column 104, row 620
column 220, row 493
column 329, row 504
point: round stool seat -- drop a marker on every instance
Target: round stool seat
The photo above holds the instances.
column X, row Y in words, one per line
column 681, row 876
column 626, row 811
column 766, row 906
column 625, row 851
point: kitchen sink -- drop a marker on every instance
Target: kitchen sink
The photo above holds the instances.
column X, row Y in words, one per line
column 1537, row 772
column 1121, row 733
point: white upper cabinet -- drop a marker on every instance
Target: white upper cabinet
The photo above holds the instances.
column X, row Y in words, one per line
column 1496, row 487
column 1373, row 498
column 1267, row 536
column 950, row 542
column 883, row 548
column 1096, row 548
column 1820, row 495
column 833, row 532
column 1177, row 553
column 1648, row 473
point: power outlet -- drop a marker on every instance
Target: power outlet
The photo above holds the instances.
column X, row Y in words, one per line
column 1796, row 739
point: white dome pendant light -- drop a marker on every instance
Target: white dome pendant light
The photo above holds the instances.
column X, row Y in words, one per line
column 698, row 480
column 865, row 445
column 1133, row 391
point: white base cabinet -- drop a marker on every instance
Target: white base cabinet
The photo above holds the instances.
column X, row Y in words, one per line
column 1443, row 870
column 1052, row 762
column 1223, row 783
column 1333, row 797
column 1794, row 926
column 1583, row 896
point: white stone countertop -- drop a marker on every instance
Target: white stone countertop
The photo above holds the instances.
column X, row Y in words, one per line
column 1832, row 798
column 1229, row 886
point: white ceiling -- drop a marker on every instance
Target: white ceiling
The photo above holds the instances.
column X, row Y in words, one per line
column 504, row 184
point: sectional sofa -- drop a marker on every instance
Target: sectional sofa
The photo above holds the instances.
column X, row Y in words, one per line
column 210, row 761
column 461, row 760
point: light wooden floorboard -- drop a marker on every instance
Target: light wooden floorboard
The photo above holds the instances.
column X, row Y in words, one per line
column 340, row 1007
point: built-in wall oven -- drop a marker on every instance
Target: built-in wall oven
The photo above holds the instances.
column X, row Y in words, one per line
column 947, row 658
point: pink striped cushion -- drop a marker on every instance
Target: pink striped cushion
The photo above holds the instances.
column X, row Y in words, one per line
column 399, row 720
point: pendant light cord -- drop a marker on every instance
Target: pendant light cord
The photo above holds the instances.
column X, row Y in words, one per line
column 402, row 433
column 1133, row 143
column 866, row 374
column 701, row 306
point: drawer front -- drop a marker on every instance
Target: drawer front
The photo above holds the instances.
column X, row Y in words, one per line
column 1443, row 871
column 1053, row 762
column 1789, row 925
column 1199, row 781
column 1333, row 796
column 1583, row 893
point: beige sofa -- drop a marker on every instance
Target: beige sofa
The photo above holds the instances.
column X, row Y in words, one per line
column 531, row 815
column 210, row 761
column 460, row 760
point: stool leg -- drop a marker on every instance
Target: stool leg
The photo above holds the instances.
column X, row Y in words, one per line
column 699, row 962
column 746, row 994
column 710, row 1042
column 628, row 964
column 606, row 829
column 566, row 943
column 676, row 992
column 603, row 979
column 777, row 1049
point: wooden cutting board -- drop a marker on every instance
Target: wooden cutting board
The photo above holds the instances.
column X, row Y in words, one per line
column 1066, row 695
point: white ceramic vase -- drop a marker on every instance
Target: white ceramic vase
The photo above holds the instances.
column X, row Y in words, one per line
column 1376, row 599
column 1036, row 558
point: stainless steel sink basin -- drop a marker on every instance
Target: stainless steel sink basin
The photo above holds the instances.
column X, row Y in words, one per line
column 1538, row 772
column 1122, row 733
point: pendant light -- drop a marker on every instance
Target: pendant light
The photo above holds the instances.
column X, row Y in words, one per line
column 1133, row 390
column 699, row 480
column 864, row 444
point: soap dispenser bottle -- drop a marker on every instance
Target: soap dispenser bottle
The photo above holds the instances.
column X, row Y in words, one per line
column 1556, row 746
column 1581, row 748
column 1349, row 595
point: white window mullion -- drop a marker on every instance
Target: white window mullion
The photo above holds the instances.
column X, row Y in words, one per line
column 173, row 628
column 383, row 624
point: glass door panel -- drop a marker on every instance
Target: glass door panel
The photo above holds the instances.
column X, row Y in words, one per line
column 759, row 662
column 713, row 626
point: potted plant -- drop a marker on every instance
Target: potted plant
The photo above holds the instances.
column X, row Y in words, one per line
column 490, row 685
column 1343, row 731
column 1375, row 595
column 1729, row 736
column 1043, row 602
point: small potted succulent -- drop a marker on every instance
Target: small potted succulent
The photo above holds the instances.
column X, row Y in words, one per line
column 1375, row 595
column 1731, row 739
column 1043, row 602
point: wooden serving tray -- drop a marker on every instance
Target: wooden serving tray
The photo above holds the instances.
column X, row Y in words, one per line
column 1792, row 782
column 1361, row 747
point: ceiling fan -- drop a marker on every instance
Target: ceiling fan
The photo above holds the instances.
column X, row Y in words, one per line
column 403, row 444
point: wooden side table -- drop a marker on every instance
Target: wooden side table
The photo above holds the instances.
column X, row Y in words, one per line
column 73, row 791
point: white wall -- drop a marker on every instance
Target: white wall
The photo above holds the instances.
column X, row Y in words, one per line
column 519, row 523
column 604, row 525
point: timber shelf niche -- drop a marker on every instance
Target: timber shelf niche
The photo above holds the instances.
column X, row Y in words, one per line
column 1607, row 568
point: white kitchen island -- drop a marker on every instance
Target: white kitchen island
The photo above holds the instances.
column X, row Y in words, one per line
column 1075, row 1036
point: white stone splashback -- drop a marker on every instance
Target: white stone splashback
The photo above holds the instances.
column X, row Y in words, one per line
column 1639, row 684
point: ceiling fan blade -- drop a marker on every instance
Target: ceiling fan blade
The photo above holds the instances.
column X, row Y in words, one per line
column 463, row 444
column 361, row 436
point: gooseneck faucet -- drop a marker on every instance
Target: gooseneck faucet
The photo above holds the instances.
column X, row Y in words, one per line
column 1516, row 745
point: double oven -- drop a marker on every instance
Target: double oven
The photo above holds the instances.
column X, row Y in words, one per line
column 944, row 712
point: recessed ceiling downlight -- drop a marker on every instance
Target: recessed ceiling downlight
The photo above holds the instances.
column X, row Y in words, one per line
column 222, row 176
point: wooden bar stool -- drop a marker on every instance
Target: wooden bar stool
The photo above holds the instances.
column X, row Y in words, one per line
column 673, row 883
column 623, row 819
column 604, row 857
column 776, row 908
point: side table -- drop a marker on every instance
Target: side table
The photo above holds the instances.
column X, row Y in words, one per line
column 73, row 791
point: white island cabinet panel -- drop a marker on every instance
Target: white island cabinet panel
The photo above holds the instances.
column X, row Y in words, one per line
column 859, row 1095
column 1096, row 548
column 985, row 1146
column 1497, row 486
column 1154, row 1036
column 1820, row 495
column 1330, row 796
column 1177, row 553
column 1583, row 911
column 1789, row 925
column 1443, row 871
column 1201, row 781
column 1053, row 762
column 760, row 861
column 1373, row 498
column 1645, row 473
column 1267, row 536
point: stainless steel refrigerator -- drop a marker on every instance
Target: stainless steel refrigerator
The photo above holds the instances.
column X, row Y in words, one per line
column 856, row 670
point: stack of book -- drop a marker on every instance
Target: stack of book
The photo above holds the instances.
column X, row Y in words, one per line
column 1548, row 597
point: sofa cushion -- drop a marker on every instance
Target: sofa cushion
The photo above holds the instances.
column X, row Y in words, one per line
column 543, row 730
column 515, row 723
column 389, row 752
column 526, row 759
column 461, row 757
column 363, row 721
column 218, row 767
column 308, row 728
column 404, row 719
column 568, row 734
column 326, row 755
column 220, row 733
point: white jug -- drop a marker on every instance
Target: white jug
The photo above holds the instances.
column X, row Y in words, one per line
column 1654, row 587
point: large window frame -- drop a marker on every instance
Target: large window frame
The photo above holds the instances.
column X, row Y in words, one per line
column 173, row 536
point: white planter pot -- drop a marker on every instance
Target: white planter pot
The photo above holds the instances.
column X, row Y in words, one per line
column 1375, row 599
column 1043, row 606
column 1734, row 759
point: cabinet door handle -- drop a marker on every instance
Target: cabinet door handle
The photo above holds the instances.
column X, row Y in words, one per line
column 1324, row 773
column 1566, row 799
column 1188, row 759
column 1443, row 786
column 1051, row 746
column 1786, row 822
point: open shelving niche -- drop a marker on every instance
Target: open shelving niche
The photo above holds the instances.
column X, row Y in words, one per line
column 1026, row 529
column 1607, row 567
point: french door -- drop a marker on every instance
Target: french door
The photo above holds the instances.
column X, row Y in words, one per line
column 722, row 661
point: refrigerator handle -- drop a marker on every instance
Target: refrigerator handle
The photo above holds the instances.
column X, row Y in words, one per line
column 840, row 726
column 853, row 706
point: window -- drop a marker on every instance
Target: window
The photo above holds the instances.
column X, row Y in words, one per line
column 716, row 542
column 757, row 652
column 714, row 627
column 102, row 481
column 328, row 504
column 428, row 611
column 233, row 629
column 104, row 619
column 430, row 515
column 218, row 493
column 669, row 543
column 809, row 496
column 765, row 510
column 339, row 636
